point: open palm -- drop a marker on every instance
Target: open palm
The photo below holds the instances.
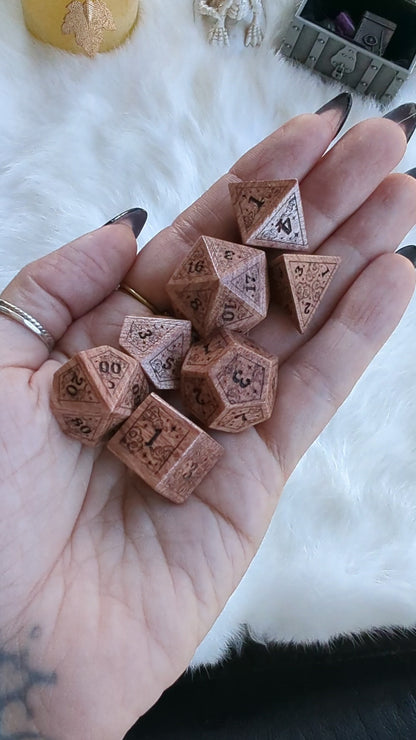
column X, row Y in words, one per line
column 106, row 589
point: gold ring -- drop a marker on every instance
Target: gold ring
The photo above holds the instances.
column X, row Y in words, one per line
column 130, row 291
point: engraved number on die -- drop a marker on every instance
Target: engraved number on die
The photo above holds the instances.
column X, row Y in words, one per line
column 168, row 364
column 259, row 203
column 196, row 266
column 285, row 226
column 198, row 396
column 195, row 304
column 251, row 282
column 189, row 473
column 75, row 385
column 151, row 441
column 238, row 378
column 137, row 396
column 145, row 334
column 79, row 424
column 228, row 312
column 105, row 368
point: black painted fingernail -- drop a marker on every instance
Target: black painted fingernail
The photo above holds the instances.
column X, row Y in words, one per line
column 409, row 252
column 411, row 172
column 341, row 106
column 405, row 116
column 135, row 217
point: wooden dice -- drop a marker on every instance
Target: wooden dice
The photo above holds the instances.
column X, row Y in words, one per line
column 170, row 453
column 95, row 391
column 160, row 344
column 221, row 284
column 270, row 214
column 299, row 282
column 229, row 383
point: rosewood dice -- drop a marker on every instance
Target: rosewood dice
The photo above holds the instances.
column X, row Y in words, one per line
column 221, row 284
column 229, row 383
column 160, row 344
column 95, row 391
column 170, row 453
column 299, row 282
column 270, row 214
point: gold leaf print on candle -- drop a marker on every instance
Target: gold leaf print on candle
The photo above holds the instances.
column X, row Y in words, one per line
column 87, row 21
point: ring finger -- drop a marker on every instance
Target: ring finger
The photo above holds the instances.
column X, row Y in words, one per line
column 335, row 186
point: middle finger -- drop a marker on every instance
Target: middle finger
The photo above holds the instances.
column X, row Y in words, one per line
column 332, row 189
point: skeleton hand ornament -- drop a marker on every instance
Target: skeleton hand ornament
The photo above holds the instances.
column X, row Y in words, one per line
column 234, row 10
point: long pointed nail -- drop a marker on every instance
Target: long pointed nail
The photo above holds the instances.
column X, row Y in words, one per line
column 405, row 116
column 411, row 172
column 409, row 252
column 340, row 108
column 134, row 217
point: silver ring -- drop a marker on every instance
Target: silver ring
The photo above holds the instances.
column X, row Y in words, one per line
column 17, row 314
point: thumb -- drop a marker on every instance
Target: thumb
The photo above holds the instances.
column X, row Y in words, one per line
column 64, row 285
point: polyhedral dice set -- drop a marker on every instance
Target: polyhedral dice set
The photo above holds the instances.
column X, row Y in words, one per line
column 219, row 292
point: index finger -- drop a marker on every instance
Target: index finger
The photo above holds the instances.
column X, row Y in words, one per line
column 291, row 151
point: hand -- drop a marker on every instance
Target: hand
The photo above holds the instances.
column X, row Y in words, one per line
column 106, row 589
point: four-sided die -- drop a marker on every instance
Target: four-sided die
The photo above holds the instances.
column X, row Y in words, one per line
column 270, row 214
column 299, row 282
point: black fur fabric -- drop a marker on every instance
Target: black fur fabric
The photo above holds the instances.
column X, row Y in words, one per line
column 363, row 688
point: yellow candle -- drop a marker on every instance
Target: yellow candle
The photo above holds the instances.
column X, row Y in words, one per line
column 81, row 26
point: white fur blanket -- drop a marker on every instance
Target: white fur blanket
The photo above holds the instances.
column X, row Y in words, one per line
column 153, row 124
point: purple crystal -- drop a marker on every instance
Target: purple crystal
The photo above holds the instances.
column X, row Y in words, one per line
column 344, row 24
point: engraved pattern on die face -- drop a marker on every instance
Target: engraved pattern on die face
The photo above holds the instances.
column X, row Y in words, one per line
column 236, row 421
column 286, row 226
column 202, row 353
column 154, row 437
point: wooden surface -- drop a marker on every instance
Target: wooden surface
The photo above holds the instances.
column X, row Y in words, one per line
column 221, row 284
column 270, row 214
column 160, row 344
column 170, row 453
column 299, row 283
column 229, row 383
column 95, row 391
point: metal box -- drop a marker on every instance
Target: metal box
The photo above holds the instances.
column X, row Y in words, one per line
column 368, row 45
